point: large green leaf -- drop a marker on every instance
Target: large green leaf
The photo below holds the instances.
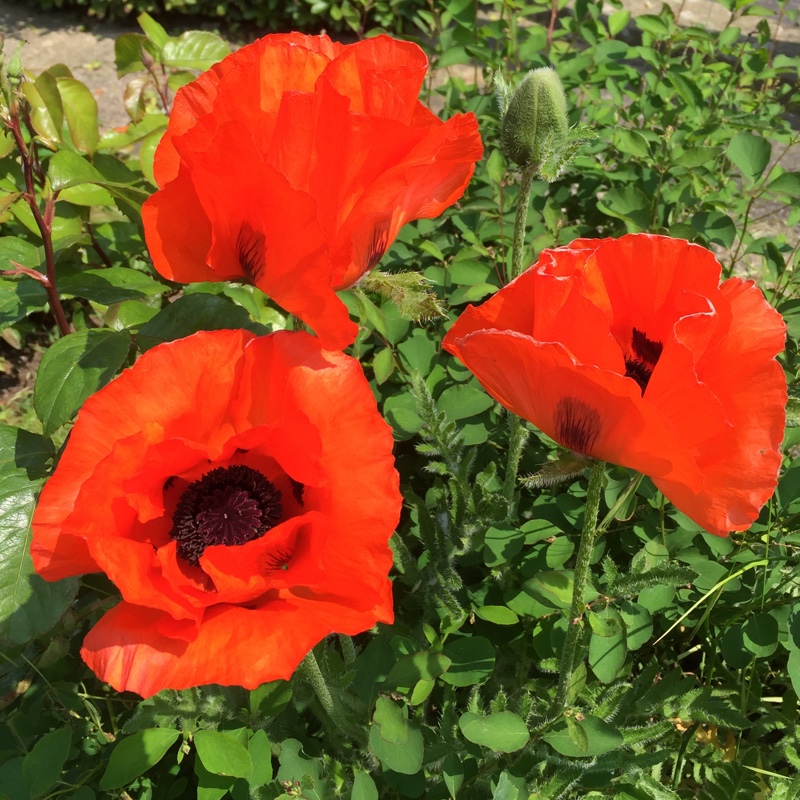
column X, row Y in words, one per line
column 222, row 754
column 195, row 50
column 135, row 754
column 80, row 114
column 111, row 285
column 29, row 606
column 74, row 368
column 192, row 313
column 21, row 449
column 749, row 152
column 18, row 298
column 503, row 731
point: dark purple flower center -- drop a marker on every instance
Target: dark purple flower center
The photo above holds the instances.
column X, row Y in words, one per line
column 643, row 359
column 228, row 505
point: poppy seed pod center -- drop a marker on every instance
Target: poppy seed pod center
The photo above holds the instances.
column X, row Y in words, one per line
column 228, row 506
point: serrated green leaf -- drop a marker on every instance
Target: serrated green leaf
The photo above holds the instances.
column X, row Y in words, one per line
column 29, row 605
column 74, row 368
column 111, row 285
column 23, row 450
column 192, row 313
column 194, row 50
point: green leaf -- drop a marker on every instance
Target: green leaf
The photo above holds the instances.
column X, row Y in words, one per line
column 629, row 204
column 19, row 298
column 510, row 787
column 607, row 646
column 760, row 635
column 462, row 402
column 135, row 754
column 556, row 585
column 111, row 285
column 192, row 313
column 617, row 21
column 364, row 787
column 293, row 766
column 472, row 660
column 156, row 33
column 502, row 732
column 21, row 449
column 194, row 50
column 396, row 742
column 269, row 699
column 749, row 152
column 601, row 738
column 128, row 53
column 786, row 184
column 452, row 773
column 80, row 113
column 416, row 667
column 695, row 156
column 383, row 365
column 631, row 142
column 261, row 755
column 74, row 368
column 499, row 615
column 42, row 766
column 222, row 754
column 12, row 248
column 638, row 624
column 29, row 605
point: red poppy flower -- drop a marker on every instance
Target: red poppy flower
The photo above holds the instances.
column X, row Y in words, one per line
column 630, row 351
column 240, row 492
column 293, row 164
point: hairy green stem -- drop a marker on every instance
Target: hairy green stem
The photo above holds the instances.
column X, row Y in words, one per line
column 517, row 436
column 575, row 622
column 313, row 674
column 521, row 220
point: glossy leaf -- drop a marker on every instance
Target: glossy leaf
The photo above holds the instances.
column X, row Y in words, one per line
column 74, row 368
column 29, row 605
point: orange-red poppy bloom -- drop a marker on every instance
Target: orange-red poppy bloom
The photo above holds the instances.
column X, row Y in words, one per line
column 240, row 491
column 630, row 351
column 294, row 162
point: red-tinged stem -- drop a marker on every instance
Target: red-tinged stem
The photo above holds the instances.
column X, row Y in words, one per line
column 44, row 222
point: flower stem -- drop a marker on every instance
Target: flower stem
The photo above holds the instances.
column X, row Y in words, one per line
column 521, row 220
column 517, row 436
column 313, row 674
column 575, row 622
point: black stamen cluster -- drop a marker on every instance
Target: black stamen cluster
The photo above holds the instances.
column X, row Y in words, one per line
column 228, row 505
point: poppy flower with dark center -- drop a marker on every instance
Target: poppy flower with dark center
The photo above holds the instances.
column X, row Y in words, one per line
column 292, row 165
column 630, row 351
column 240, row 491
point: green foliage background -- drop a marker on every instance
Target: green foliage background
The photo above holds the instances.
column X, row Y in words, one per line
column 690, row 687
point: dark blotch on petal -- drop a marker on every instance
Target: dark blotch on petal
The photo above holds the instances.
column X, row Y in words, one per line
column 378, row 244
column 251, row 250
column 577, row 425
column 297, row 490
column 646, row 354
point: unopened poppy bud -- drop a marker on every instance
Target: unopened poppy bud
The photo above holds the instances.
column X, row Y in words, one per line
column 535, row 126
column 14, row 71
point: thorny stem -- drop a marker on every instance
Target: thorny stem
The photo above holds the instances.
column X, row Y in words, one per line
column 43, row 221
column 575, row 622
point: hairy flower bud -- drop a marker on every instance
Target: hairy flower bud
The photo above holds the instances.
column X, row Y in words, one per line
column 535, row 128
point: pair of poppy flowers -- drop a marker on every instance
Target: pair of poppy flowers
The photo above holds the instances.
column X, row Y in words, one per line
column 223, row 482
